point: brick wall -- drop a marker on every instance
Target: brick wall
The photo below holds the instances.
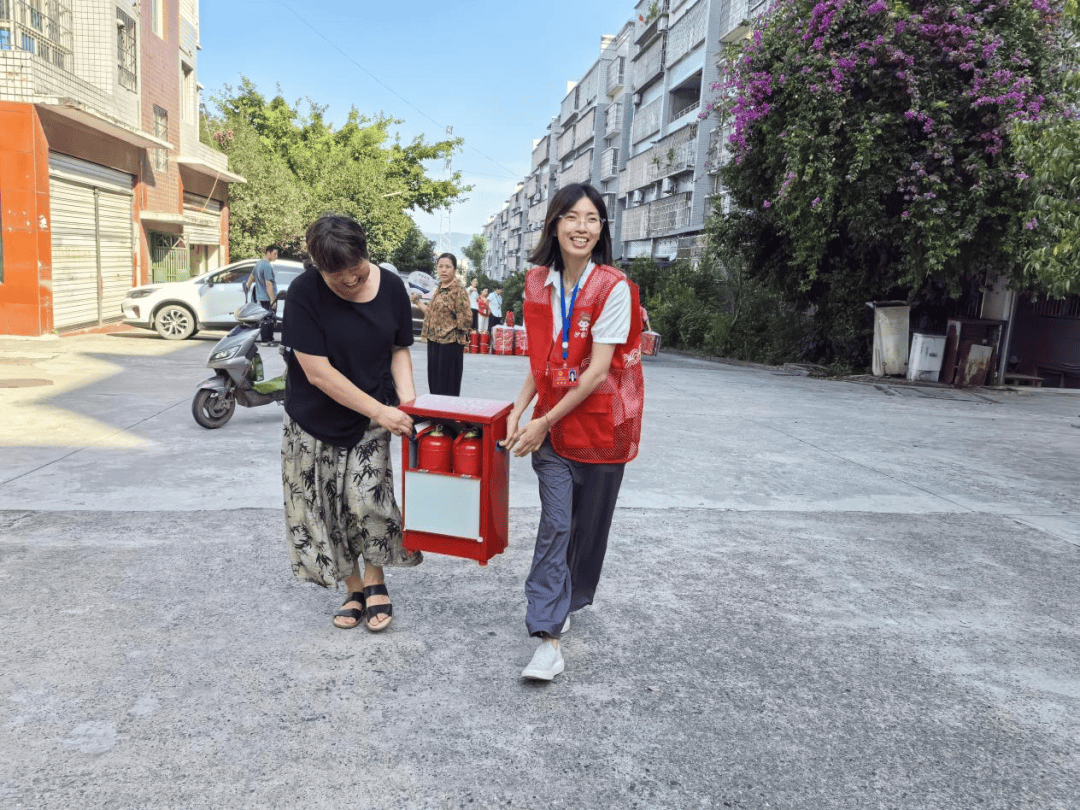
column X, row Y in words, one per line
column 160, row 80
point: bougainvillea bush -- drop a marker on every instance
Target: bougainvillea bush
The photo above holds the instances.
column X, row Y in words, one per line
column 870, row 151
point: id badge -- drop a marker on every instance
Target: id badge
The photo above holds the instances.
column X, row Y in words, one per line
column 564, row 377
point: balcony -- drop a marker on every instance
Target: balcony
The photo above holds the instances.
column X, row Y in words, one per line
column 647, row 121
column 613, row 119
column 670, row 213
column 687, row 110
column 688, row 32
column 565, row 144
column 609, row 163
column 649, row 65
column 651, row 26
column 616, row 75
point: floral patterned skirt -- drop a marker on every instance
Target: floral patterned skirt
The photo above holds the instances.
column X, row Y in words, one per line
column 339, row 505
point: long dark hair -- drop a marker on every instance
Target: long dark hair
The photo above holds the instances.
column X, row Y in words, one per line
column 547, row 252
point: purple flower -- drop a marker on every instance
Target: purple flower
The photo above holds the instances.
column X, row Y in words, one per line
column 905, row 215
column 766, row 204
column 814, row 203
column 876, row 8
column 1031, row 224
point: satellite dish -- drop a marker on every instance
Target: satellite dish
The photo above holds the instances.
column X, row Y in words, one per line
column 421, row 281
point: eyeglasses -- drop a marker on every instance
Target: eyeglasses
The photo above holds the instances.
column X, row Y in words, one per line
column 591, row 222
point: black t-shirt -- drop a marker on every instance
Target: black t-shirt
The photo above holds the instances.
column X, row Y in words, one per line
column 357, row 338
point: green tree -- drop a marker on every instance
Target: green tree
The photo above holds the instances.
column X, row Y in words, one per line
column 300, row 167
column 871, row 152
column 416, row 252
column 475, row 251
column 1051, row 148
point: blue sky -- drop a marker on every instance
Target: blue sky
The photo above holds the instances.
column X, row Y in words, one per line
column 496, row 70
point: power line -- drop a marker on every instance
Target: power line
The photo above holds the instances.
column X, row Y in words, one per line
column 379, row 81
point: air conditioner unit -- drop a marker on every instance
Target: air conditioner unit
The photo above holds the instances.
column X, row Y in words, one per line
column 637, row 99
column 667, row 186
column 635, row 196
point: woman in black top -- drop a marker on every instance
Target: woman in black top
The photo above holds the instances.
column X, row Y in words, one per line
column 347, row 338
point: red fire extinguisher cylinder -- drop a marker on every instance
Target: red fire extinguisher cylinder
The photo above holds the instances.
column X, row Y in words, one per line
column 436, row 451
column 468, row 453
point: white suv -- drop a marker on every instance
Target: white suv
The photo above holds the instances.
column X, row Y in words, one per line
column 179, row 309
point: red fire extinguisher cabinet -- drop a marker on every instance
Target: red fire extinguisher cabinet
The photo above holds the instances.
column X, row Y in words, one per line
column 448, row 513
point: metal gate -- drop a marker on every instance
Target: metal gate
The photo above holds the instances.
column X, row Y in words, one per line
column 168, row 258
column 92, row 241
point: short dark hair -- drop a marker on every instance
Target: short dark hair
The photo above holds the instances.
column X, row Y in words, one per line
column 336, row 243
column 450, row 256
column 273, row 249
column 547, row 252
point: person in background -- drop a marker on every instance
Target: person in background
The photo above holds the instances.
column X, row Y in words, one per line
column 483, row 309
column 446, row 329
column 262, row 279
column 583, row 323
column 474, row 297
column 495, row 303
column 348, row 366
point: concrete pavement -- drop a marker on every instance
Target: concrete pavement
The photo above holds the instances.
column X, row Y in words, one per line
column 819, row 594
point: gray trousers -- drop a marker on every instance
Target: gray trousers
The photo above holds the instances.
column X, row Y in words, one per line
column 576, row 504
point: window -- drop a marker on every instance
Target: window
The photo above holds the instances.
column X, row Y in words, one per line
column 161, row 130
column 187, row 88
column 125, row 50
column 157, row 16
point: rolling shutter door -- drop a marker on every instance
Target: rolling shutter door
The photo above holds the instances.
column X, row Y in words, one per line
column 74, row 254
column 92, row 241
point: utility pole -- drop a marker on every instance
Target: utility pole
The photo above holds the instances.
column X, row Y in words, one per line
column 445, row 237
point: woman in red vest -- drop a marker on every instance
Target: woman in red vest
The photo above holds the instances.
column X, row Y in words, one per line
column 583, row 323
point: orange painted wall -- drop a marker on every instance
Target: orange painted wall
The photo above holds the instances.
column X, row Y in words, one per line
column 26, row 292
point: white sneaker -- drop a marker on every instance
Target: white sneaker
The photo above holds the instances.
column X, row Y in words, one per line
column 565, row 626
column 547, row 662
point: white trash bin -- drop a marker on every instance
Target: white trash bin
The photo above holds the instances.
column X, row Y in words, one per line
column 927, row 354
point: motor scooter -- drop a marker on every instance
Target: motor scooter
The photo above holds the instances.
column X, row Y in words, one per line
column 238, row 373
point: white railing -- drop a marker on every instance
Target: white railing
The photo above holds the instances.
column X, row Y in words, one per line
column 584, row 129
column 540, row 153
column 569, row 104
column 635, row 223
column 580, row 171
column 679, row 113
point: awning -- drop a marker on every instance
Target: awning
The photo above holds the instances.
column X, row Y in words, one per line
column 77, row 111
column 202, row 167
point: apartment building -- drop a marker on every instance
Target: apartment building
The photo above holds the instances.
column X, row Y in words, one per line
column 103, row 181
column 631, row 128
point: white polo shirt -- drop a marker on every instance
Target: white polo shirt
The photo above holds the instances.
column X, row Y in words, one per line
column 613, row 323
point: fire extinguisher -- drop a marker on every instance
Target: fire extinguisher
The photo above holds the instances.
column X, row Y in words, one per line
column 485, row 343
column 435, row 451
column 510, row 317
column 474, row 343
column 468, row 452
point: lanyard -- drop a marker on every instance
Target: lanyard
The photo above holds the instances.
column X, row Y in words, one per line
column 565, row 318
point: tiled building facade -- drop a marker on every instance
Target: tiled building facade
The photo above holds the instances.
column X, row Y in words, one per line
column 103, row 181
column 630, row 127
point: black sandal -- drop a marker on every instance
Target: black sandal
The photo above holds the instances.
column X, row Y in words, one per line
column 357, row 614
column 374, row 611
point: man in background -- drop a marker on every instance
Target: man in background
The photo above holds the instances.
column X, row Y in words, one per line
column 262, row 279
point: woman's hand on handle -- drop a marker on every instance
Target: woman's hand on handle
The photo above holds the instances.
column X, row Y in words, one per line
column 529, row 438
column 396, row 421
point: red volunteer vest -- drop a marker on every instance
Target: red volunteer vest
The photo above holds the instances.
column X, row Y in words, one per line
column 605, row 428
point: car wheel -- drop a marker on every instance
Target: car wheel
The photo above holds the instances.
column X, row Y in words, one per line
column 175, row 322
column 212, row 409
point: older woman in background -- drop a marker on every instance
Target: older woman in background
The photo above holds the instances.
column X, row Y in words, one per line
column 447, row 318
